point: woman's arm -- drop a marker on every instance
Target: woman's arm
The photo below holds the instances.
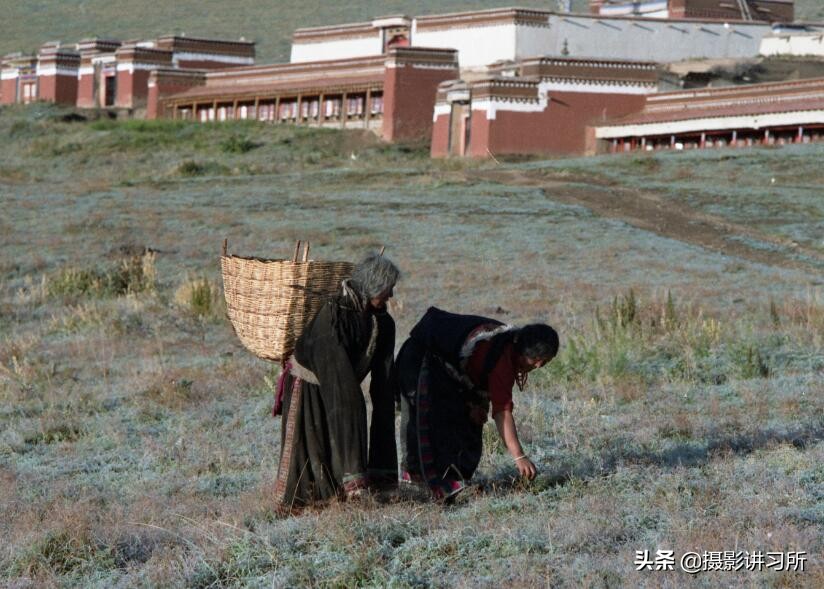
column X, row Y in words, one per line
column 509, row 434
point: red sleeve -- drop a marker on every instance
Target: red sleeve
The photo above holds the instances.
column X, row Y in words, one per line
column 501, row 381
column 501, row 378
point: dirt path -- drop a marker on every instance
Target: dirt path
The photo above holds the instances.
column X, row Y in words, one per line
column 668, row 218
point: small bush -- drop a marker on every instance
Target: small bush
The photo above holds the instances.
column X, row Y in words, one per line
column 132, row 275
column 200, row 297
column 237, row 144
column 750, row 362
column 63, row 552
column 192, row 169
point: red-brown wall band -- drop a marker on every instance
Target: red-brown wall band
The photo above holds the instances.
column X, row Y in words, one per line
column 409, row 99
column 8, row 91
column 558, row 129
column 59, row 88
column 440, row 136
column 85, row 91
column 561, row 128
column 132, row 88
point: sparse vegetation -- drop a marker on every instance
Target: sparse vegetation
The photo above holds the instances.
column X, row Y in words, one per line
column 137, row 446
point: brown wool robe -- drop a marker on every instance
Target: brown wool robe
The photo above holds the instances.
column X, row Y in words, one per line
column 324, row 430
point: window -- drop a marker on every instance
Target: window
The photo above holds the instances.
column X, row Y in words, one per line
column 332, row 108
column 110, row 90
column 354, row 106
column 29, row 92
column 377, row 104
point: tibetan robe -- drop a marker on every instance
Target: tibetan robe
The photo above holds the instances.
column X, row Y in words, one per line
column 444, row 373
column 324, row 450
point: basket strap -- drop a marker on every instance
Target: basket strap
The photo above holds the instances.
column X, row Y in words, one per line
column 297, row 370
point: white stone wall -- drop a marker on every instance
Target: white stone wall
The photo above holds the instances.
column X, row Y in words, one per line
column 337, row 49
column 651, row 40
column 801, row 44
column 581, row 36
column 477, row 46
column 602, row 38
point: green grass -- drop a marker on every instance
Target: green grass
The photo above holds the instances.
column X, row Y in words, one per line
column 137, row 448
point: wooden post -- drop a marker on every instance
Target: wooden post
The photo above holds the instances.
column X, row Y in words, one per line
column 297, row 250
column 299, row 114
column 800, row 137
column 703, row 141
column 321, row 112
column 367, row 113
column 195, row 118
column 257, row 103
column 344, row 110
column 234, row 109
column 276, row 117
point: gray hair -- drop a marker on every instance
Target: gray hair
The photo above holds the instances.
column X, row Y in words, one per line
column 374, row 275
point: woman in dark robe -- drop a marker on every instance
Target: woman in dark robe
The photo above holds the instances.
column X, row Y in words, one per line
column 450, row 371
column 324, row 432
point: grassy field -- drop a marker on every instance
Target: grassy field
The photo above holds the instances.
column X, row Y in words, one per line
column 684, row 412
column 25, row 25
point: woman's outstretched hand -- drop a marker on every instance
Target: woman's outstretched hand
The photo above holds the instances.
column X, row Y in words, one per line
column 526, row 468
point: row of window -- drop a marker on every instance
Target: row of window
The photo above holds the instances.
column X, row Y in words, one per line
column 310, row 108
column 740, row 139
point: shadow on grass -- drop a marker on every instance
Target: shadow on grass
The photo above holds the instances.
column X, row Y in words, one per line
column 687, row 453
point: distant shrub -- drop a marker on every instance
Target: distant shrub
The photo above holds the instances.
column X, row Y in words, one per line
column 132, row 275
column 750, row 362
column 656, row 342
column 61, row 432
column 62, row 552
column 237, row 144
column 191, row 169
column 200, row 297
column 77, row 319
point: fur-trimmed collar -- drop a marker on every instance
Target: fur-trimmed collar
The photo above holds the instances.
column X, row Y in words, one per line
column 481, row 335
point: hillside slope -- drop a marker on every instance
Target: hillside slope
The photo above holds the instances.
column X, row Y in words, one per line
column 269, row 22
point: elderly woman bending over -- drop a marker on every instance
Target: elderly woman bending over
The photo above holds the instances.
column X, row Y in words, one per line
column 450, row 370
column 324, row 433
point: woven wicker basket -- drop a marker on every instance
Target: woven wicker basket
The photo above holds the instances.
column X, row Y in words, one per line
column 269, row 302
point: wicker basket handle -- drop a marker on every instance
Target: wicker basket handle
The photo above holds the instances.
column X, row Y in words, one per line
column 225, row 247
column 296, row 255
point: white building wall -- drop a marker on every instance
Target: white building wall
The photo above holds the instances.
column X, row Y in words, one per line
column 534, row 41
column 477, row 46
column 580, row 36
column 337, row 49
column 651, row 40
column 802, row 44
